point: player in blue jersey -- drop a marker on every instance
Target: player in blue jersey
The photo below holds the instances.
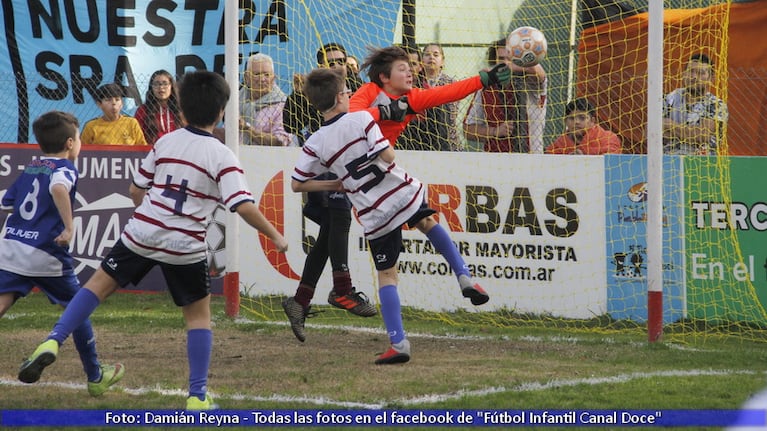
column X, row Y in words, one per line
column 176, row 190
column 34, row 248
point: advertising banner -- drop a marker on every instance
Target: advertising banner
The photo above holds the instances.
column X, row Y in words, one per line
column 726, row 249
column 626, row 225
column 54, row 54
column 530, row 227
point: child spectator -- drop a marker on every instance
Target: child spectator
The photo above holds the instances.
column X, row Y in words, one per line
column 582, row 133
column 112, row 128
column 160, row 112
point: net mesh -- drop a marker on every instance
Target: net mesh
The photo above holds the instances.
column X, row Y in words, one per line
column 597, row 51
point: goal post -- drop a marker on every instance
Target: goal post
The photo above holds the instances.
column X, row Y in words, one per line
column 655, row 172
column 632, row 252
column 231, row 59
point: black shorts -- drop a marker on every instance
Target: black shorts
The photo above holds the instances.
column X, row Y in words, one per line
column 318, row 202
column 186, row 283
column 386, row 249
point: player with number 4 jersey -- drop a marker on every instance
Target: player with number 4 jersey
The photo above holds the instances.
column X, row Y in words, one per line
column 176, row 191
column 184, row 177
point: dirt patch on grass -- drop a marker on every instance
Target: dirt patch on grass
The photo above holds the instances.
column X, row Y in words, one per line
column 335, row 366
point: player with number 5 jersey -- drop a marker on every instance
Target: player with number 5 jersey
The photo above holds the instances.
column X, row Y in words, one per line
column 352, row 146
column 384, row 195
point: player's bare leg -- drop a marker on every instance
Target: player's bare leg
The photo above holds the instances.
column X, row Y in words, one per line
column 6, row 302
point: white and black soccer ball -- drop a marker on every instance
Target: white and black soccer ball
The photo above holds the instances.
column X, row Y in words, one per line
column 216, row 239
column 527, row 46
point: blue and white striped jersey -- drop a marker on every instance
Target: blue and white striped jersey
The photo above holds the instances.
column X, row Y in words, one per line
column 27, row 245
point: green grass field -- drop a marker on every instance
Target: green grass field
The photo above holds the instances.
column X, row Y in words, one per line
column 258, row 364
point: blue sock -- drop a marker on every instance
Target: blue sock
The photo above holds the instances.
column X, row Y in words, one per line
column 77, row 313
column 199, row 345
column 391, row 311
column 441, row 241
column 85, row 343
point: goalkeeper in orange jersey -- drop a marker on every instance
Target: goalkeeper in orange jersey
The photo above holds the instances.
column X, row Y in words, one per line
column 393, row 102
column 391, row 79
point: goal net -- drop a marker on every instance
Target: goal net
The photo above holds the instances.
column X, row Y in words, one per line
column 557, row 239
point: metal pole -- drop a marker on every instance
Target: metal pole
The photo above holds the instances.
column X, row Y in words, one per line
column 571, row 58
column 655, row 172
column 232, row 138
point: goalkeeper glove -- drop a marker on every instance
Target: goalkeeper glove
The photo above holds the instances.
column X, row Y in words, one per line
column 499, row 74
column 396, row 110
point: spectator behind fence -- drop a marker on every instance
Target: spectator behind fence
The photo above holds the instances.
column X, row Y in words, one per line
column 353, row 64
column 582, row 133
column 693, row 118
column 434, row 129
column 112, row 128
column 261, row 104
column 410, row 136
column 501, row 118
column 160, row 112
column 299, row 117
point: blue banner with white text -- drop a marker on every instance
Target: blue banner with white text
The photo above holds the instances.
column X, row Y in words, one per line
column 55, row 53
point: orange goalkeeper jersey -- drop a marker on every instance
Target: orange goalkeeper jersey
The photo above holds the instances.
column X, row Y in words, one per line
column 370, row 95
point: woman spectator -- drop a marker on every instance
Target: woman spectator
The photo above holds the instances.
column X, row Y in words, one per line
column 160, row 112
column 436, row 128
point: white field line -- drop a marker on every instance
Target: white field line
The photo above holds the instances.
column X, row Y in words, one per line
column 530, row 338
column 407, row 402
column 423, row 399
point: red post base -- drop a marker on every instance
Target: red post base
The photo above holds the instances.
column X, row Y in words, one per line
column 232, row 294
column 654, row 316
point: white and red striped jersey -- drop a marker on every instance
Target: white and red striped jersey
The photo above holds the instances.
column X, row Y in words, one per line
column 187, row 173
column 383, row 194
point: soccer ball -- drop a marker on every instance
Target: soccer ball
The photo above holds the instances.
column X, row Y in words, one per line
column 216, row 239
column 527, row 46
